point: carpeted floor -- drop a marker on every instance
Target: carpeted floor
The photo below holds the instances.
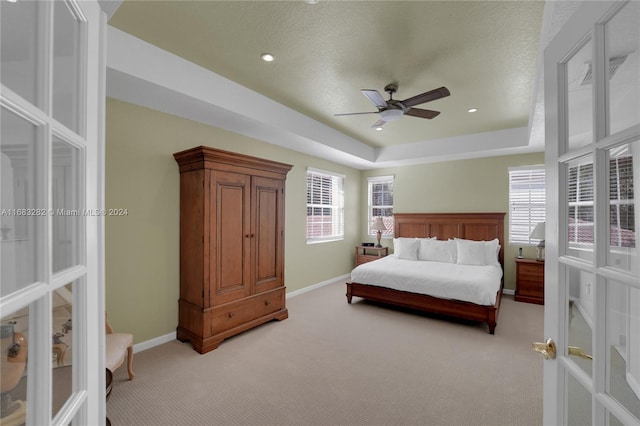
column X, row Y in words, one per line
column 332, row 363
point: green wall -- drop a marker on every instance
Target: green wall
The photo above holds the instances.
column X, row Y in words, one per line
column 142, row 248
column 476, row 185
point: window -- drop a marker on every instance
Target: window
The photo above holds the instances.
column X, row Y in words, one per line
column 381, row 202
column 621, row 198
column 325, row 206
column 526, row 202
column 580, row 187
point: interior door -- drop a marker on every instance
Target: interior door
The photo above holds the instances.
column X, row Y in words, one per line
column 592, row 268
column 51, row 195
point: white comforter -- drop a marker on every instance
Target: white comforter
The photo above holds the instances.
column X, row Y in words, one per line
column 469, row 283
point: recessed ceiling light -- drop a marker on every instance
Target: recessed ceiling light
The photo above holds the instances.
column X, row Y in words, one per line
column 267, row 57
column 379, row 128
column 472, row 109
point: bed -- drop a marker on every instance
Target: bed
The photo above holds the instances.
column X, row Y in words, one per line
column 370, row 281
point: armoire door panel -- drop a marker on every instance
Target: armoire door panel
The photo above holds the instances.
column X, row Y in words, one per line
column 231, row 237
column 268, row 233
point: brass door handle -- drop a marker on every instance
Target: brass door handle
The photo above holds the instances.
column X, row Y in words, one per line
column 547, row 349
column 576, row 351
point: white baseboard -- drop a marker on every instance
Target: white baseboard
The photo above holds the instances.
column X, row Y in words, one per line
column 156, row 341
column 508, row 291
column 316, row 286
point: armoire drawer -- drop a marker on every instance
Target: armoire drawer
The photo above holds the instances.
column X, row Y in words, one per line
column 234, row 314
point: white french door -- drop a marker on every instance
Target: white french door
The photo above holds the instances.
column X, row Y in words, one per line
column 592, row 268
column 51, row 154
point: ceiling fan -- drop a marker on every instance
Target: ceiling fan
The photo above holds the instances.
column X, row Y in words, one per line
column 394, row 109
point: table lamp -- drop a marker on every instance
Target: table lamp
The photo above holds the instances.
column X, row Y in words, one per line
column 378, row 225
column 538, row 234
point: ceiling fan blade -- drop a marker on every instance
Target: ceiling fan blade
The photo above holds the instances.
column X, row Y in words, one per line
column 378, row 123
column 429, row 96
column 375, row 97
column 355, row 113
column 422, row 113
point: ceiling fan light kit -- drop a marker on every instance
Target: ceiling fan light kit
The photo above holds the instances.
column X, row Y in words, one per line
column 391, row 114
column 392, row 109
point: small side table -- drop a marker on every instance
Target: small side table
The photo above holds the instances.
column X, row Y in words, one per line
column 370, row 253
column 529, row 281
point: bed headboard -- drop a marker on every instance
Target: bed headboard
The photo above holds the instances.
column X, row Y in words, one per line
column 470, row 226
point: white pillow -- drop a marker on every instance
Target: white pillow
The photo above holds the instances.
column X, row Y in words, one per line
column 436, row 251
column 454, row 250
column 492, row 250
column 470, row 252
column 406, row 248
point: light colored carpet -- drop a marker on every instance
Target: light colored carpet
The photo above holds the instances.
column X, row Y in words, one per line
column 332, row 363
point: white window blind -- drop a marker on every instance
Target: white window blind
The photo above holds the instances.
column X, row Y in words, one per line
column 381, row 202
column 622, row 219
column 325, row 206
column 526, row 202
column 580, row 199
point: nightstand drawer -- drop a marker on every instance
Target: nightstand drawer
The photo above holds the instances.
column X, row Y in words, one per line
column 365, row 258
column 526, row 270
column 530, row 288
column 366, row 254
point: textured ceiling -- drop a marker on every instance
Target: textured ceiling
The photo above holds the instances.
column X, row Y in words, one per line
column 484, row 52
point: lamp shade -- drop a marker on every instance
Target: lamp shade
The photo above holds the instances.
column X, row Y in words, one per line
column 538, row 232
column 378, row 224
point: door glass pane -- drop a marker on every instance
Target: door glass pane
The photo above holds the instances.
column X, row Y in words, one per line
column 66, row 65
column 580, row 98
column 18, row 54
column 61, row 362
column 624, row 174
column 13, row 361
column 68, row 215
column 20, row 212
column 578, row 403
column 580, row 319
column 580, row 194
column 613, row 421
column 623, row 331
column 623, row 39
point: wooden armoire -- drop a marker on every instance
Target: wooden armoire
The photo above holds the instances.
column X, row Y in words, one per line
column 231, row 244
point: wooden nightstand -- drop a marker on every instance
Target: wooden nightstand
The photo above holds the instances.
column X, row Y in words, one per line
column 529, row 281
column 367, row 254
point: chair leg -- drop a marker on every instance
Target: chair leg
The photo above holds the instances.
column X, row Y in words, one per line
column 130, row 362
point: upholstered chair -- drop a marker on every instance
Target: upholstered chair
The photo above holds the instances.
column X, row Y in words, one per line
column 117, row 346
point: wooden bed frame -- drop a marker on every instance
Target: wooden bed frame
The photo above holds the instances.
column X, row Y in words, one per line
column 470, row 226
